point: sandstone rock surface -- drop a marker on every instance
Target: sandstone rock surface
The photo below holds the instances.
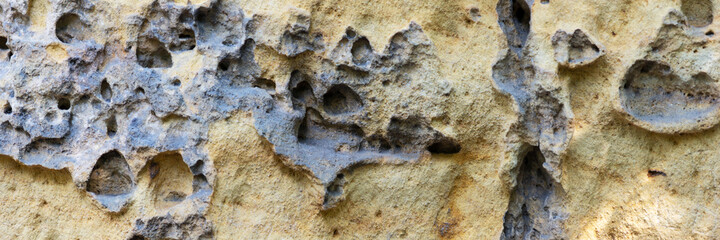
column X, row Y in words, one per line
column 325, row 119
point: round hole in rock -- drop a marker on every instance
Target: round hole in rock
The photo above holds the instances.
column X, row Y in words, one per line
column 699, row 13
column 139, row 91
column 63, row 103
column 341, row 99
column 111, row 175
column 224, row 65
column 69, row 27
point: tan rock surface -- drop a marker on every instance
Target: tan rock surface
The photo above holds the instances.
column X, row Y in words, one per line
column 283, row 119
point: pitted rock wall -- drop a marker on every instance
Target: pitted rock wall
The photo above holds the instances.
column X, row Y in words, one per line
column 324, row 119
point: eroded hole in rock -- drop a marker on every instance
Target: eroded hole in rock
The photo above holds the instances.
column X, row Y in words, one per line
column 341, row 99
column 63, row 103
column 200, row 182
column 699, row 13
column 218, row 25
column 151, row 53
column 474, row 14
column 535, row 208
column 334, row 191
column 653, row 94
column 69, row 27
column 544, row 1
column 362, row 52
column 239, row 70
column 576, row 49
column 314, row 130
column 414, row 134
column 186, row 41
column 350, row 34
column 171, row 179
column 139, row 91
column 514, row 19
column 111, row 175
column 106, row 90
column 266, row 84
column 224, row 64
column 445, row 145
column 656, row 173
column 710, row 33
column 7, row 108
column 301, row 89
column 111, row 126
column 3, row 43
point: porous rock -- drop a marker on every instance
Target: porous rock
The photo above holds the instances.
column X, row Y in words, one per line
column 323, row 119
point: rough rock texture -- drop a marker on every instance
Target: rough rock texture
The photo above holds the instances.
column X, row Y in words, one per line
column 323, row 119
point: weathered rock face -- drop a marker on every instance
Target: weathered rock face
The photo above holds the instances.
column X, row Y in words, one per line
column 510, row 119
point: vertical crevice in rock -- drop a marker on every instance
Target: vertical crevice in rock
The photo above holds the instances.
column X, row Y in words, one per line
column 544, row 113
column 514, row 19
column 535, row 210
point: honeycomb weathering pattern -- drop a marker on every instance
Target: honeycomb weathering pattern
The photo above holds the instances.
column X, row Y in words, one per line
column 322, row 119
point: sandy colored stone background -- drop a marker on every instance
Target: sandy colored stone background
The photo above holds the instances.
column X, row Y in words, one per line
column 620, row 144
